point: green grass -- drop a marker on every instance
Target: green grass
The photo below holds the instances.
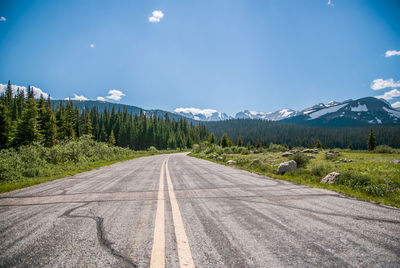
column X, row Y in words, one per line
column 370, row 177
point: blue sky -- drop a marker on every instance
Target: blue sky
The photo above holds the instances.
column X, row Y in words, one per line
column 227, row 55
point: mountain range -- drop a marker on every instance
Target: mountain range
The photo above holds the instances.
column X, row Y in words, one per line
column 360, row 112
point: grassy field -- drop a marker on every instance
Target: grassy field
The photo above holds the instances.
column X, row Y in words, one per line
column 371, row 176
column 34, row 164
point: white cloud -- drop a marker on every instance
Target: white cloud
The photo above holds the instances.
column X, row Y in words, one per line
column 2, row 18
column 396, row 104
column 114, row 94
column 391, row 53
column 157, row 15
column 92, row 45
column 77, row 97
column 389, row 95
column 330, row 3
column 14, row 89
column 381, row 83
column 99, row 98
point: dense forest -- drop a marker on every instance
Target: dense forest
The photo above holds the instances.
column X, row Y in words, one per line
column 24, row 120
column 266, row 132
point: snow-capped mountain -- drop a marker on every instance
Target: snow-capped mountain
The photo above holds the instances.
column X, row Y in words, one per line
column 202, row 114
column 273, row 116
column 364, row 111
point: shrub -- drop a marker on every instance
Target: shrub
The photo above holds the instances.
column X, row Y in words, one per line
column 227, row 150
column 319, row 171
column 277, row 147
column 301, row 159
column 383, row 149
column 152, row 149
column 353, row 180
column 196, row 148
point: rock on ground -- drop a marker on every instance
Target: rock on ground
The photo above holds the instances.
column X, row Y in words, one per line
column 255, row 161
column 231, row 162
column 330, row 178
column 219, row 159
column 287, row 167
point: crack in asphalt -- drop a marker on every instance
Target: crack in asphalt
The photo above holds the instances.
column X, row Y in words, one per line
column 104, row 242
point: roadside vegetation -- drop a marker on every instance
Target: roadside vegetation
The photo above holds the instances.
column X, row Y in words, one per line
column 36, row 163
column 372, row 175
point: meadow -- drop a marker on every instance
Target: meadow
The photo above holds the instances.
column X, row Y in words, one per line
column 365, row 175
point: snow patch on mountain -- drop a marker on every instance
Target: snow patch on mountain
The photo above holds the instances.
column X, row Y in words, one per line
column 359, row 108
column 392, row 112
column 202, row 114
column 273, row 116
column 325, row 111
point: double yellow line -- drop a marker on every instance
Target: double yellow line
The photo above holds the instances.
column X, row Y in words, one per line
column 158, row 252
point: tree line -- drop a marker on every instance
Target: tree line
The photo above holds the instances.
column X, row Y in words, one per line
column 24, row 120
column 261, row 132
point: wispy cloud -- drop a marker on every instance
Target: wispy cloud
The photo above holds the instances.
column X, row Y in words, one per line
column 157, row 15
column 389, row 95
column 99, row 98
column 329, row 3
column 391, row 53
column 115, row 95
column 77, row 97
column 92, row 45
column 396, row 104
column 3, row 18
column 380, row 83
column 15, row 88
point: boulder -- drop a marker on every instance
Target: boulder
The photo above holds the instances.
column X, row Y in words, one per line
column 287, row 167
column 308, row 151
column 231, row 162
column 286, row 154
column 395, row 161
column 219, row 158
column 330, row 178
column 256, row 151
column 294, row 151
column 255, row 161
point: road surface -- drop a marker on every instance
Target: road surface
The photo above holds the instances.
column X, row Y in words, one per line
column 179, row 211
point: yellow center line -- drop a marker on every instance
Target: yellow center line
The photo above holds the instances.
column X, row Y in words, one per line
column 184, row 253
column 158, row 252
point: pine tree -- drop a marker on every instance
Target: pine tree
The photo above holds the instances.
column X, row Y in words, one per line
column 5, row 124
column 27, row 129
column 224, row 141
column 248, row 146
column 111, row 138
column 211, row 138
column 350, row 146
column 371, row 142
column 318, row 145
column 239, row 142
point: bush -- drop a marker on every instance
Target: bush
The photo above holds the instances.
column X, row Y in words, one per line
column 277, row 148
column 152, row 149
column 319, row 171
column 384, row 149
column 36, row 160
column 196, row 149
column 301, row 159
column 227, row 150
column 353, row 180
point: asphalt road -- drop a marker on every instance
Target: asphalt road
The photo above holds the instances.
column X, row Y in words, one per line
column 175, row 210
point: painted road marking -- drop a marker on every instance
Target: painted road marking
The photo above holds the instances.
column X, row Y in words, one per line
column 158, row 252
column 184, row 253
